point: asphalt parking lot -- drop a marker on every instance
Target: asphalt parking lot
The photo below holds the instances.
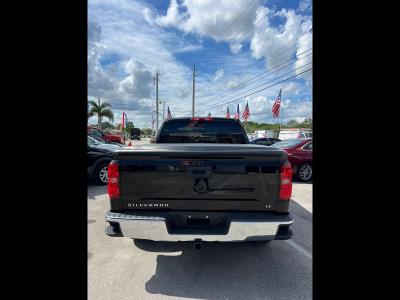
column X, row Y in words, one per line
column 120, row 268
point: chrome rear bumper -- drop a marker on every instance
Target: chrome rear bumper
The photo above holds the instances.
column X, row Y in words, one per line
column 242, row 227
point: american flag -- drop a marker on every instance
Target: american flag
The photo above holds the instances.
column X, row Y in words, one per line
column 237, row 113
column 209, row 114
column 276, row 106
column 246, row 112
column 228, row 115
column 169, row 116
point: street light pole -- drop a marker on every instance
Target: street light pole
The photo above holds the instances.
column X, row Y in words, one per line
column 163, row 111
column 156, row 81
column 194, row 75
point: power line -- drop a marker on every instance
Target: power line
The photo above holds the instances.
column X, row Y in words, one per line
column 237, row 18
column 269, row 81
column 231, row 39
column 303, row 38
column 255, row 25
column 129, row 107
column 257, row 91
column 243, row 84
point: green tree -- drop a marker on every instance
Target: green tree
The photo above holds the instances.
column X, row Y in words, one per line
column 293, row 124
column 129, row 126
column 100, row 110
column 146, row 131
column 107, row 125
column 253, row 126
column 307, row 123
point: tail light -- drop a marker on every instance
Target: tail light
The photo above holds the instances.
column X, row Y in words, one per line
column 286, row 182
column 113, row 180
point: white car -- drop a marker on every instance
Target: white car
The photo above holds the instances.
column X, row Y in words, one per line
column 97, row 144
column 264, row 134
column 294, row 133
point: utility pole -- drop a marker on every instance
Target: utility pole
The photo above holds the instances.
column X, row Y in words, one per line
column 194, row 75
column 98, row 116
column 163, row 111
column 156, row 82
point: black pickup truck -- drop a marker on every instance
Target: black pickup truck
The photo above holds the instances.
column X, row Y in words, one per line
column 200, row 181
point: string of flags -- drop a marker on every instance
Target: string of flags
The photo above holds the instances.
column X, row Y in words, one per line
column 246, row 112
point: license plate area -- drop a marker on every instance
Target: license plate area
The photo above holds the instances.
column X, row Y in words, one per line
column 199, row 172
column 198, row 223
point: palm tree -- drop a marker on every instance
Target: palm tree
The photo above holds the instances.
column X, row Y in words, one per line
column 101, row 111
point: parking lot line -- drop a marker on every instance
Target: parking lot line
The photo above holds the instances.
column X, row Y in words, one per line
column 299, row 248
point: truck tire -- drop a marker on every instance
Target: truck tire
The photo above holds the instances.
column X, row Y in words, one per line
column 100, row 175
column 304, row 172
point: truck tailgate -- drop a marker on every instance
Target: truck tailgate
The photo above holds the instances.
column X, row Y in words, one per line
column 200, row 177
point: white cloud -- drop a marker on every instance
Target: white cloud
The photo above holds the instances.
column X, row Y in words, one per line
column 304, row 44
column 232, row 84
column 94, row 32
column 118, row 33
column 172, row 18
column 143, row 44
column 218, row 74
column 216, row 19
column 219, row 20
column 279, row 44
column 305, row 5
column 291, row 87
column 99, row 82
column 148, row 15
column 139, row 82
column 235, row 47
column 188, row 48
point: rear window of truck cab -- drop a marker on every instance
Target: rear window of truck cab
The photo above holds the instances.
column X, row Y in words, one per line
column 202, row 131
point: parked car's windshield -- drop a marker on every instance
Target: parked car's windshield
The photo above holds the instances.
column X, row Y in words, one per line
column 288, row 143
column 201, row 131
column 92, row 141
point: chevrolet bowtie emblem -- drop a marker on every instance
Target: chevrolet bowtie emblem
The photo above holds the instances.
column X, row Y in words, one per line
column 201, row 186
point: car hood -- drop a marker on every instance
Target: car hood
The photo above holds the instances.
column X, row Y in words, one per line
column 113, row 135
column 109, row 147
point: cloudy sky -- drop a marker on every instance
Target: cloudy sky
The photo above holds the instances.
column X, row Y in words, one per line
column 239, row 47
